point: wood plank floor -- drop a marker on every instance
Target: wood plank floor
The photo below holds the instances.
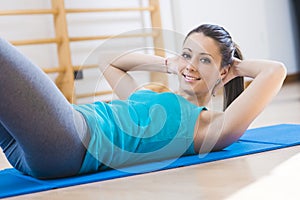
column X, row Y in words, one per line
column 269, row 175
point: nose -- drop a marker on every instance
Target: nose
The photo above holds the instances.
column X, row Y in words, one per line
column 190, row 67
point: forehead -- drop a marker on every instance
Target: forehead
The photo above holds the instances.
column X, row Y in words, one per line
column 199, row 43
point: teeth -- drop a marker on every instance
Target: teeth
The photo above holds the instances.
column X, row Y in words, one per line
column 190, row 77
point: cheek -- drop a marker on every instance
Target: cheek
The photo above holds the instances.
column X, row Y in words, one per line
column 210, row 76
column 181, row 68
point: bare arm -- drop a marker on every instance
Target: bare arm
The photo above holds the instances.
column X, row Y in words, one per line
column 227, row 127
column 115, row 71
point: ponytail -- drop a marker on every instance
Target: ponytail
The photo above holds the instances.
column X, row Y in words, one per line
column 234, row 87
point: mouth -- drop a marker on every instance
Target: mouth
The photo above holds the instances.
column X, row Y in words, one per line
column 190, row 78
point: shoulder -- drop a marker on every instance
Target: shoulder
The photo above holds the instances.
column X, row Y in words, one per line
column 215, row 131
column 212, row 121
column 210, row 131
column 208, row 117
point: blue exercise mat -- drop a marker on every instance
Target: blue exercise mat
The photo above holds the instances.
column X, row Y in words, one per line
column 256, row 140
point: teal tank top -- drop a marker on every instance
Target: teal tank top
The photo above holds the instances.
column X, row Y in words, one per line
column 146, row 127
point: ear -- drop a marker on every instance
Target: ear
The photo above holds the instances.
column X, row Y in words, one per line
column 224, row 72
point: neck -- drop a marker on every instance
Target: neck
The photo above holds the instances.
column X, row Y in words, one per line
column 199, row 100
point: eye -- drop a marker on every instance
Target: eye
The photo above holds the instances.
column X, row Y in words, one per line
column 205, row 60
column 186, row 55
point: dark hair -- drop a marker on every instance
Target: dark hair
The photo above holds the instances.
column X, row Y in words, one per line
column 228, row 50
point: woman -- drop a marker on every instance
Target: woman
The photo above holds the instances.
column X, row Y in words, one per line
column 44, row 136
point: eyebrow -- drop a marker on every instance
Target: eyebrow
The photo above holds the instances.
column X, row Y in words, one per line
column 202, row 53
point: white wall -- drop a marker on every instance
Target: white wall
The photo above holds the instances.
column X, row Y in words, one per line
column 263, row 28
column 281, row 33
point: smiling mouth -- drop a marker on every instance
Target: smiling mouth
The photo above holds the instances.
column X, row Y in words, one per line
column 190, row 78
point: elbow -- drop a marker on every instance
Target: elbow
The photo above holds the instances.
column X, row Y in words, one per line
column 280, row 71
column 275, row 72
column 107, row 67
column 103, row 66
column 105, row 61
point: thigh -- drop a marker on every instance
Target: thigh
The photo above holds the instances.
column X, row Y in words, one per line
column 40, row 119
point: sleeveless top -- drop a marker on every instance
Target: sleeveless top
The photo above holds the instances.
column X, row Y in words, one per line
column 146, row 127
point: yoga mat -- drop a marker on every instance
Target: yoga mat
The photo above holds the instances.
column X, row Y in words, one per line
column 256, row 140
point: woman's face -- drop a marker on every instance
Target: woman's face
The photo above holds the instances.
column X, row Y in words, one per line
column 201, row 69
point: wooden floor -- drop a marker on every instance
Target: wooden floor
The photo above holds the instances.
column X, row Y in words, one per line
column 269, row 175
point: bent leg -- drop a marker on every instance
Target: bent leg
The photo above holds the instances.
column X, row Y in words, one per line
column 35, row 113
column 12, row 150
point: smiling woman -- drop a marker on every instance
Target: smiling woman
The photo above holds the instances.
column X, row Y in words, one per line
column 209, row 60
column 141, row 126
column 217, row 50
column 203, row 63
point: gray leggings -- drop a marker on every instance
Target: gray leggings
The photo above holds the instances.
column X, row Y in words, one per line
column 40, row 132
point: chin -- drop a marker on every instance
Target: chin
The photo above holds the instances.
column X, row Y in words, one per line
column 194, row 89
